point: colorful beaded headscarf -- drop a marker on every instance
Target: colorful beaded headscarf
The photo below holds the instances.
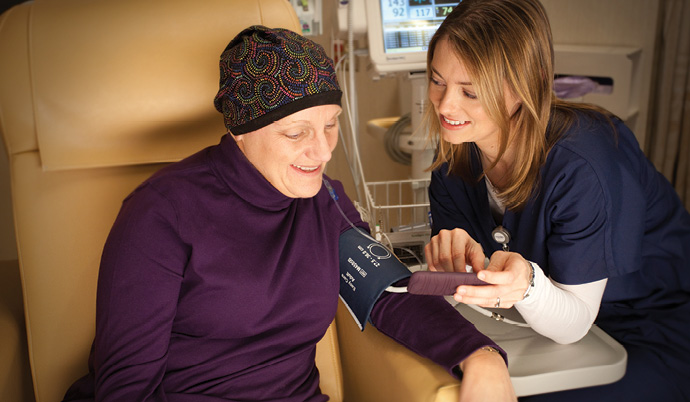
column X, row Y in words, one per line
column 267, row 74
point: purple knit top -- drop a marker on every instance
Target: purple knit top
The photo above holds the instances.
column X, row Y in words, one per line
column 214, row 286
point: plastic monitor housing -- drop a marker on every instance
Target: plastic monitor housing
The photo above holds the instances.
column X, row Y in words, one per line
column 399, row 32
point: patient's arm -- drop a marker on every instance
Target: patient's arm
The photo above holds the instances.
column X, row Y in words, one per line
column 138, row 288
column 431, row 327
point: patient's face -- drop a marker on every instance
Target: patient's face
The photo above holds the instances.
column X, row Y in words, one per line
column 292, row 153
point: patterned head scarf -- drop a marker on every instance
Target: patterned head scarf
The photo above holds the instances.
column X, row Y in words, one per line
column 267, row 74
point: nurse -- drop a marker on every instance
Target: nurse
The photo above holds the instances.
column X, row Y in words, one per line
column 579, row 225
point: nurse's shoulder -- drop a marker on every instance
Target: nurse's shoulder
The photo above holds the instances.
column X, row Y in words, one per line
column 602, row 142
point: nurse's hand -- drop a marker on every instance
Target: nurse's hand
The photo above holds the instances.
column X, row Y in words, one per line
column 509, row 273
column 452, row 250
column 485, row 378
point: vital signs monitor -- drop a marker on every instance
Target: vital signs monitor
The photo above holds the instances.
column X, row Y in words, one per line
column 399, row 31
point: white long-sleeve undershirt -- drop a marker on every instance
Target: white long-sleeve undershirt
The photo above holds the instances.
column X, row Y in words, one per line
column 563, row 313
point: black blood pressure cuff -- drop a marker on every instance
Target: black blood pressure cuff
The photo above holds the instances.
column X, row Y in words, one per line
column 367, row 268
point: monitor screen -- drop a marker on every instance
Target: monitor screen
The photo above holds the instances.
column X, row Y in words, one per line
column 399, row 31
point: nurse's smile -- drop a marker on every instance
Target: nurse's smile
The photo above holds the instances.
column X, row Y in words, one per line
column 453, row 124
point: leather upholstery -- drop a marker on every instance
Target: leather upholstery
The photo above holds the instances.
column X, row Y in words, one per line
column 15, row 377
column 95, row 96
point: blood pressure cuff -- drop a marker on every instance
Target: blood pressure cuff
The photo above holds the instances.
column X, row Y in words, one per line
column 367, row 268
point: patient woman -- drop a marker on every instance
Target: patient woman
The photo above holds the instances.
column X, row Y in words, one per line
column 562, row 185
column 221, row 273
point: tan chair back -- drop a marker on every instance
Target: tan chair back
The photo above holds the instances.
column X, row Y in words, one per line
column 95, row 96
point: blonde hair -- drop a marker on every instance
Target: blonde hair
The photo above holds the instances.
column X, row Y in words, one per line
column 504, row 41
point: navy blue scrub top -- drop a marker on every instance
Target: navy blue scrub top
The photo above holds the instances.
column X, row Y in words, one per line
column 601, row 211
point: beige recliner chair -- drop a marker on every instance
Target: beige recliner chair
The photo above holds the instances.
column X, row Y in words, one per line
column 96, row 95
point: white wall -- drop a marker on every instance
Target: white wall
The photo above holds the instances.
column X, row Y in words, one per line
column 631, row 23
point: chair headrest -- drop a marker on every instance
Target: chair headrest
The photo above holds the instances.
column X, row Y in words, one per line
column 120, row 82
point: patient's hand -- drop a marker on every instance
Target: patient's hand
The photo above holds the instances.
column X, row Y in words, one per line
column 485, row 378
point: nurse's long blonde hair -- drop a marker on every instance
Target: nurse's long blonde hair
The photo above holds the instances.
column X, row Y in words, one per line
column 505, row 41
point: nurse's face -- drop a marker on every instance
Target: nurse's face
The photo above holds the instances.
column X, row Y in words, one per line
column 291, row 153
column 461, row 115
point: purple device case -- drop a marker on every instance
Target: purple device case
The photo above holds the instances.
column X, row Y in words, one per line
column 440, row 283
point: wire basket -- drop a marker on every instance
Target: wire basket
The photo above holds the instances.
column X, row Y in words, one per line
column 399, row 215
column 399, row 205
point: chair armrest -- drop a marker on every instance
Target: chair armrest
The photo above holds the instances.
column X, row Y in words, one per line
column 377, row 368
